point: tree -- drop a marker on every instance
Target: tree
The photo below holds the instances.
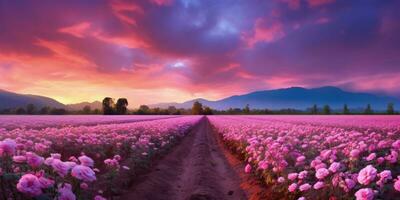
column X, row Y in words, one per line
column 246, row 109
column 143, row 110
column 58, row 111
column 122, row 104
column 327, row 110
column 172, row 110
column 208, row 111
column 346, row 110
column 44, row 110
column 87, row 109
column 390, row 109
column 30, row 109
column 197, row 108
column 368, row 110
column 20, row 111
column 314, row 109
column 108, row 106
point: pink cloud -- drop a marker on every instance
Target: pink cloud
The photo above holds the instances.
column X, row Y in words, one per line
column 120, row 10
column 322, row 20
column 78, row 30
column 263, row 33
column 162, row 2
column 316, row 3
column 292, row 4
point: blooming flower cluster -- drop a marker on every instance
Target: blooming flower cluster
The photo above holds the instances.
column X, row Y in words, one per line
column 319, row 157
column 80, row 162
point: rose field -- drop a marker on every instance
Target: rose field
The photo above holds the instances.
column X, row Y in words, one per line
column 288, row 157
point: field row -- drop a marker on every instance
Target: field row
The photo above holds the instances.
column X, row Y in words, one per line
column 301, row 157
column 82, row 162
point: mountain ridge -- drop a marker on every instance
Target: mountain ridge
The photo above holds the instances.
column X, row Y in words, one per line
column 295, row 98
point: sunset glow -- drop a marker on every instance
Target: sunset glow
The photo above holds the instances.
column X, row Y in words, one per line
column 152, row 51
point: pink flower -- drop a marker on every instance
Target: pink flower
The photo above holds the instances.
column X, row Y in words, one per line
column 60, row 167
column 321, row 173
column 7, row 147
column 354, row 153
column 84, row 186
column 303, row 174
column 371, row 156
column 366, row 175
column 292, row 187
column 350, row 183
column 292, row 176
column 65, row 193
column 98, row 197
column 281, row 179
column 34, row 160
column 83, row 173
column 19, row 159
column 384, row 176
column 335, row 166
column 301, row 198
column 86, row 161
column 364, row 194
column 247, row 169
column 318, row 185
column 397, row 184
column 29, row 184
column 305, row 187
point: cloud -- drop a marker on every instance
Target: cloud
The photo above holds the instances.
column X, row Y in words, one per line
column 226, row 47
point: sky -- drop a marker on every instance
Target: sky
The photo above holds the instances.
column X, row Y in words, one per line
column 152, row 51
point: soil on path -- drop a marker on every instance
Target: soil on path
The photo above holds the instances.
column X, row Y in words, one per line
column 197, row 169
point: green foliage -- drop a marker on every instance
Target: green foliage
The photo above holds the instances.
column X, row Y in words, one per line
column 390, row 109
column 327, row 110
column 346, row 110
column 368, row 110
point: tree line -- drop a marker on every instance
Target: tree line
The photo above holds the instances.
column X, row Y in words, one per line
column 120, row 107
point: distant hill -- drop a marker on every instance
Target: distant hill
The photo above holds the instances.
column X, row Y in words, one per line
column 13, row 100
column 79, row 106
column 296, row 98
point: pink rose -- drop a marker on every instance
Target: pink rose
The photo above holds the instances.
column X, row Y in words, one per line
column 335, row 166
column 304, row 187
column 7, row 147
column 366, row 175
column 397, row 184
column 364, row 194
column 65, row 193
column 384, row 176
column 292, row 176
column 86, row 161
column 281, row 179
column 29, row 184
column 98, row 197
column 34, row 160
column 371, row 156
column 292, row 187
column 350, row 183
column 83, row 173
column 19, row 159
column 247, row 169
column 321, row 173
column 60, row 167
column 318, row 185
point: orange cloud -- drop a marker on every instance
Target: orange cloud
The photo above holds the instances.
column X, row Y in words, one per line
column 120, row 9
column 77, row 30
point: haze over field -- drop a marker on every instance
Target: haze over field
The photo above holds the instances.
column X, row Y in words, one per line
column 153, row 51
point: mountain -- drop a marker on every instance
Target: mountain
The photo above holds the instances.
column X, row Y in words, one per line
column 296, row 98
column 79, row 106
column 13, row 100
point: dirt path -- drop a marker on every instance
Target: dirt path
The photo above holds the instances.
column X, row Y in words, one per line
column 197, row 169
